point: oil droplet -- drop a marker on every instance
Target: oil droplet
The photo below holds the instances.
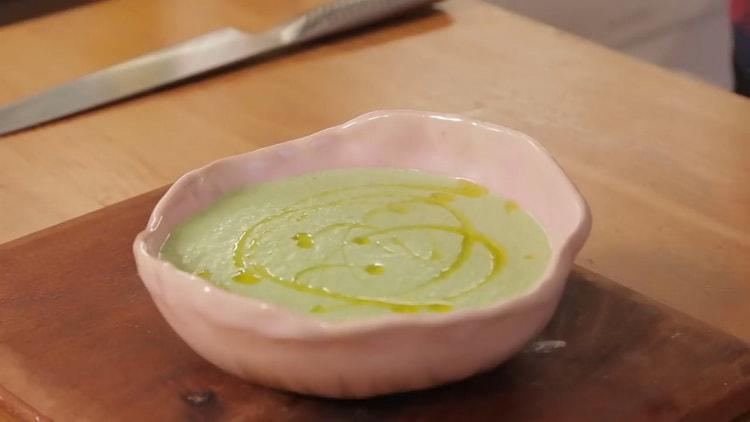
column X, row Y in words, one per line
column 510, row 206
column 304, row 240
column 442, row 197
column 398, row 208
column 470, row 189
column 375, row 269
column 318, row 309
column 529, row 256
column 204, row 274
column 245, row 277
column 361, row 240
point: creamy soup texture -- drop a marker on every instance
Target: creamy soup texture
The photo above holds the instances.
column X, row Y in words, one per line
column 359, row 243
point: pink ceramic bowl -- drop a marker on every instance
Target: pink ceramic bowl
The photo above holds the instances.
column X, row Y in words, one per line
column 279, row 348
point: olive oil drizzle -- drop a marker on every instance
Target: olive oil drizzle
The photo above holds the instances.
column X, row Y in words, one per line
column 255, row 274
column 249, row 272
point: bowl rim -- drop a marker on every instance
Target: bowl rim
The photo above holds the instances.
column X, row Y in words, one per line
column 298, row 325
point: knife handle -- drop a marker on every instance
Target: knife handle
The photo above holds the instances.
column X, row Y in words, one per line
column 342, row 15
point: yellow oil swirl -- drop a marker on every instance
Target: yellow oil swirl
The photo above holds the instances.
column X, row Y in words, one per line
column 250, row 272
column 257, row 273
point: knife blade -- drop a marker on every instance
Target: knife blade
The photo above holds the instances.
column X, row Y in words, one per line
column 194, row 57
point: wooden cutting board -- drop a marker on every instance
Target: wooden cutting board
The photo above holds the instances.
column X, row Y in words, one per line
column 80, row 339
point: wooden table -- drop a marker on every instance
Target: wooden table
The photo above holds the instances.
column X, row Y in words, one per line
column 663, row 160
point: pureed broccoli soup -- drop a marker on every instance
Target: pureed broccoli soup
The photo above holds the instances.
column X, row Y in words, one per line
column 357, row 243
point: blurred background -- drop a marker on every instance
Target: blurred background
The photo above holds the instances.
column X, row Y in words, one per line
column 691, row 36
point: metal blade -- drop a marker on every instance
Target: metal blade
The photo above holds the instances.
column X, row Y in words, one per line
column 190, row 58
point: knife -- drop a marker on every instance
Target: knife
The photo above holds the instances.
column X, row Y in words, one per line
column 197, row 56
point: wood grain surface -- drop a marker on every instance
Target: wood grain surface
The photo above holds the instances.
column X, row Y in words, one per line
column 80, row 339
column 663, row 160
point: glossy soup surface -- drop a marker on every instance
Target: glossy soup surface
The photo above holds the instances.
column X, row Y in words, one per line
column 358, row 243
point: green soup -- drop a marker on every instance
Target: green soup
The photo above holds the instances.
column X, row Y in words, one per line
column 358, row 243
